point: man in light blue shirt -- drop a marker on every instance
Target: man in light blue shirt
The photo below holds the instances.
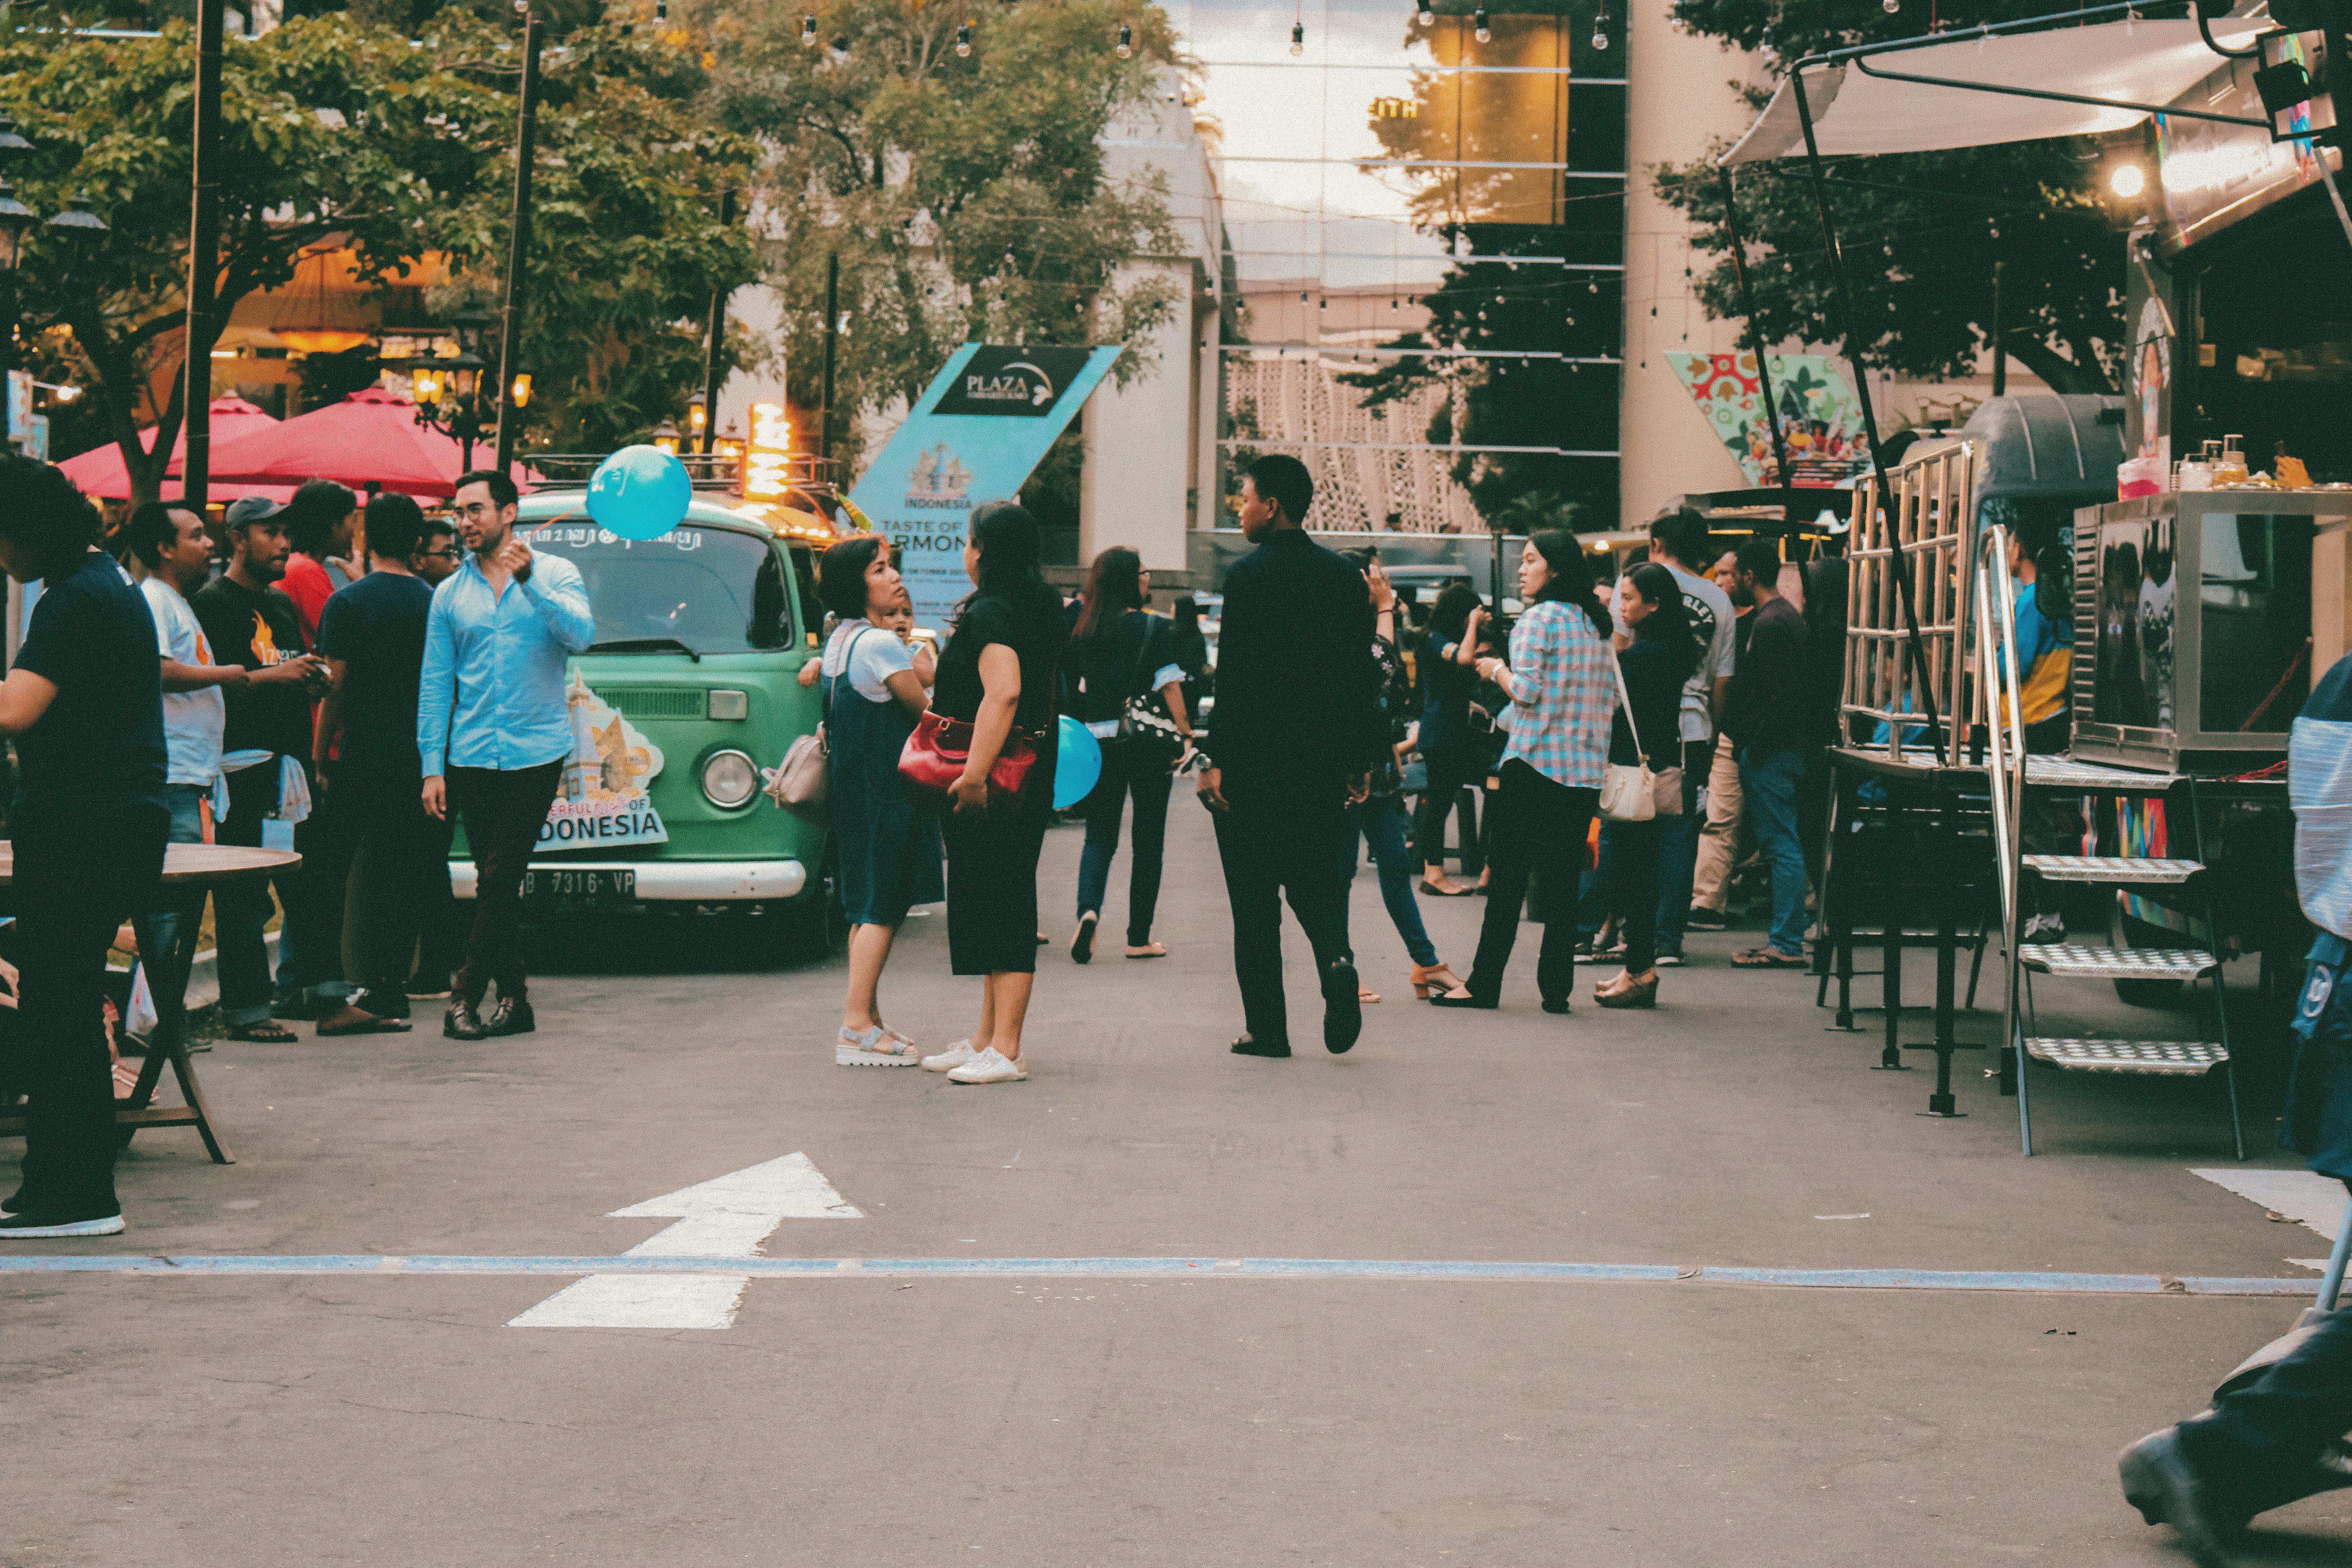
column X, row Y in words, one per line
column 492, row 731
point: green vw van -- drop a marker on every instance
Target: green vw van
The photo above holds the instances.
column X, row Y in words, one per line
column 688, row 691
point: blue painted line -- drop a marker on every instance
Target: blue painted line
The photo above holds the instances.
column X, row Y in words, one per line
column 1166, row 1267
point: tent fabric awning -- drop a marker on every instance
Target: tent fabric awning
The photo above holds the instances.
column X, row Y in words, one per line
column 1858, row 114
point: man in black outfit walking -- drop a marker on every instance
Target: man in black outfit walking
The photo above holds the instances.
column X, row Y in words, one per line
column 1296, row 727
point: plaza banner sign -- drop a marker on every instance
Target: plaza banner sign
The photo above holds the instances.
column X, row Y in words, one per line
column 605, row 800
column 975, row 435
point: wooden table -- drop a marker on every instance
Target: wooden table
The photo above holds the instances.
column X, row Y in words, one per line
column 188, row 868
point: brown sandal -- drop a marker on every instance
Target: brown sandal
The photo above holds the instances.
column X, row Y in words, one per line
column 269, row 1032
column 1768, row 958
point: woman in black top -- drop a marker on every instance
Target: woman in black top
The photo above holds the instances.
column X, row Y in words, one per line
column 1122, row 651
column 1192, row 656
column 997, row 675
column 1449, row 651
column 1665, row 650
column 85, row 703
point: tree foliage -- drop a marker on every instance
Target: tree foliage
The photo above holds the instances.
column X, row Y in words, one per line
column 337, row 133
column 1921, row 232
column 965, row 195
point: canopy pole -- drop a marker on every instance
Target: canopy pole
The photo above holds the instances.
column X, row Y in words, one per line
column 1881, row 496
column 1755, row 334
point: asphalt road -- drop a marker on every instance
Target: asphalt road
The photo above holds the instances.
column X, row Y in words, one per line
column 186, row 1417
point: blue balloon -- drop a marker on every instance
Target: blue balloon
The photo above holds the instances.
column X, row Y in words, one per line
column 1077, row 765
column 639, row 492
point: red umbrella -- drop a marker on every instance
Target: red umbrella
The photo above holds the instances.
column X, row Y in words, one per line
column 369, row 441
column 100, row 471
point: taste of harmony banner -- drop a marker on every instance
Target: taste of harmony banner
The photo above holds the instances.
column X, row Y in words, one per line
column 1821, row 419
column 975, row 435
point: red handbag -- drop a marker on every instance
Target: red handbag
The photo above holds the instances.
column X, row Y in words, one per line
column 935, row 756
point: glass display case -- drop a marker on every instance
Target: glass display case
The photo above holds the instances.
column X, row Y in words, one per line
column 2193, row 625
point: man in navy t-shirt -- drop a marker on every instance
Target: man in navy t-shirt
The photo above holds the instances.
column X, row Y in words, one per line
column 85, row 703
column 373, row 635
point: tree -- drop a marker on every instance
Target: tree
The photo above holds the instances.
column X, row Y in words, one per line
column 336, row 130
column 327, row 130
column 1920, row 231
column 964, row 193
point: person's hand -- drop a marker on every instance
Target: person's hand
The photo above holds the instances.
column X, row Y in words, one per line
column 1476, row 617
column 1212, row 795
column 1360, row 788
column 970, row 792
column 319, row 768
column 1383, row 591
column 235, row 675
column 809, row 672
column 1489, row 667
column 437, row 798
column 297, row 667
column 514, row 558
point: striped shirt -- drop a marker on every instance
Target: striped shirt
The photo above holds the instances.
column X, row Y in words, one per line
column 1563, row 692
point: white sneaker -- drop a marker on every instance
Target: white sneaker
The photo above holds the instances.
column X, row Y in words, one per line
column 989, row 1067
column 954, row 1057
column 874, row 1047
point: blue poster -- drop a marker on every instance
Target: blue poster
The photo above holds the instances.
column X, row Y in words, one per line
column 975, row 435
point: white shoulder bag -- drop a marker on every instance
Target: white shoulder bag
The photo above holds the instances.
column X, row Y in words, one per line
column 1629, row 792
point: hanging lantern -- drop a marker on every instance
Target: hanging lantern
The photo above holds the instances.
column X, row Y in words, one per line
column 1126, row 42
column 808, row 32
column 1298, row 37
column 964, row 41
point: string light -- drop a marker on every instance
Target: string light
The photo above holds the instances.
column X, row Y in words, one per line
column 1483, row 33
column 1890, row 6
column 1424, row 9
column 1601, row 29
column 808, row 32
column 1298, row 37
column 964, row 41
column 661, row 10
column 1126, row 42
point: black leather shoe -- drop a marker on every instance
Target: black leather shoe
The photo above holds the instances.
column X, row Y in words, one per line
column 1245, row 1046
column 510, row 1018
column 463, row 1022
column 1554, row 1004
column 1486, row 1003
column 1343, row 1007
column 2158, row 1480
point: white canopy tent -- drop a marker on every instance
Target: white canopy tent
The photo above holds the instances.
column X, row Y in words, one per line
column 1858, row 113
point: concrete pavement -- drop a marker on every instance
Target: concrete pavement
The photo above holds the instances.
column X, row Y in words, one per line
column 893, row 1420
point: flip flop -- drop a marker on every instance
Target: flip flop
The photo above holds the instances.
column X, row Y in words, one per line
column 268, row 1033
column 1435, row 891
column 1766, row 958
column 374, row 1026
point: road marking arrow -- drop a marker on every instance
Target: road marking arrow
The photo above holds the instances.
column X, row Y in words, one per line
column 728, row 1217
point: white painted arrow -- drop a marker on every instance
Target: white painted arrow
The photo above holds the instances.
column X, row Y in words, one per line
column 728, row 1217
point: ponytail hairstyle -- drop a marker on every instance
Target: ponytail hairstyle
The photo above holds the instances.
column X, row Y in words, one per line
column 1009, row 546
column 1668, row 624
column 1571, row 577
column 1113, row 587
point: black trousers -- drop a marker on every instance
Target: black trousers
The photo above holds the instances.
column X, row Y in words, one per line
column 2259, row 1446
column 1127, row 771
column 367, row 812
column 503, row 810
column 73, row 884
column 1282, row 838
column 992, row 889
column 1450, row 769
column 1633, row 870
column 1536, row 826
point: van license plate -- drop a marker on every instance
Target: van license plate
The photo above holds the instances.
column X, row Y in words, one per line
column 554, row 888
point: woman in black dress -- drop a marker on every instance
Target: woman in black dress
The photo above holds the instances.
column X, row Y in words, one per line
column 1665, row 650
column 997, row 675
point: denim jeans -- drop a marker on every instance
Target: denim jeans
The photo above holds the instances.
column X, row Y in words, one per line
column 169, row 930
column 1770, row 781
column 242, row 908
column 1382, row 821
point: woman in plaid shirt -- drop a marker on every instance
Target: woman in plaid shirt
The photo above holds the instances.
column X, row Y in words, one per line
column 1563, row 690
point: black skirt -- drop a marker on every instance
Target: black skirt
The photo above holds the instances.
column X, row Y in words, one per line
column 992, row 889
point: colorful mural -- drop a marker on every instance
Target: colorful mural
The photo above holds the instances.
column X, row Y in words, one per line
column 1819, row 418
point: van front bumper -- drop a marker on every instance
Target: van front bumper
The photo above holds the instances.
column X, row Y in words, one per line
column 682, row 881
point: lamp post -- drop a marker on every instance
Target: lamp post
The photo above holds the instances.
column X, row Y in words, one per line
column 519, row 235
column 449, row 390
column 16, row 218
column 204, row 261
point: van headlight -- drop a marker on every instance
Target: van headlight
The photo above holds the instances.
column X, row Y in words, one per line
column 729, row 779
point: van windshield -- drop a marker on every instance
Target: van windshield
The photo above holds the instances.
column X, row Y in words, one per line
column 699, row 590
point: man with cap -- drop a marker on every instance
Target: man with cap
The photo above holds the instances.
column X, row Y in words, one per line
column 249, row 622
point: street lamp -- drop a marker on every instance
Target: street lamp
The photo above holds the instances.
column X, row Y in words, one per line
column 666, row 438
column 448, row 389
column 697, row 419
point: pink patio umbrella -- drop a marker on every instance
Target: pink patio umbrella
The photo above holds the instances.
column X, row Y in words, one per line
column 100, row 472
column 369, row 441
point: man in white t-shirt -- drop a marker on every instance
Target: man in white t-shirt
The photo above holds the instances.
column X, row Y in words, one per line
column 170, row 556
column 1679, row 542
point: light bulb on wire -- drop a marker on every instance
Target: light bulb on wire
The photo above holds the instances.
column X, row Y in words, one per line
column 1298, row 37
column 1424, row 5
column 661, row 10
column 1483, row 33
column 1126, row 49
column 808, row 32
column 1601, row 29
column 1890, row 6
column 964, row 41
